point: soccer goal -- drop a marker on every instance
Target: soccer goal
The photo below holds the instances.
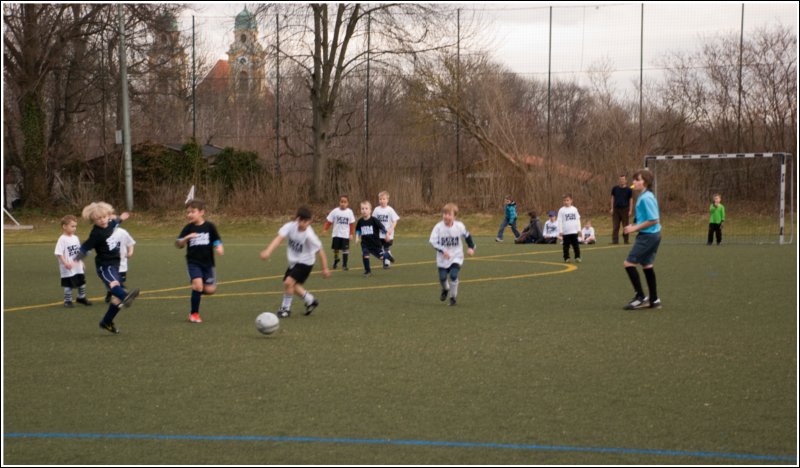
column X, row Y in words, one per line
column 753, row 187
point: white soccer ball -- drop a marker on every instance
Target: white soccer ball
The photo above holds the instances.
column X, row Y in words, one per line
column 267, row 323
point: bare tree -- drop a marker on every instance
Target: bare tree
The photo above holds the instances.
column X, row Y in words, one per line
column 57, row 59
column 328, row 42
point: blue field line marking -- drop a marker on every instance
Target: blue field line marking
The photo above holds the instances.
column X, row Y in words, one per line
column 428, row 443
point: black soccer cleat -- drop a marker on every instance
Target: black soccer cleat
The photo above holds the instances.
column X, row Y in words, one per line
column 655, row 304
column 283, row 313
column 335, row 264
column 452, row 301
column 443, row 295
column 84, row 300
column 310, row 307
column 128, row 301
column 68, row 304
column 109, row 327
column 637, row 302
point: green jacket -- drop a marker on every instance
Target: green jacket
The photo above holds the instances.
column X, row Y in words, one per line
column 717, row 214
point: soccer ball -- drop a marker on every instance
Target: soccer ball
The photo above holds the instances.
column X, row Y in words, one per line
column 267, row 323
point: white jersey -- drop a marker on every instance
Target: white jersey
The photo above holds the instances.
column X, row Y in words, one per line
column 69, row 246
column 550, row 229
column 125, row 240
column 446, row 238
column 387, row 216
column 341, row 221
column 569, row 221
column 587, row 232
column 303, row 245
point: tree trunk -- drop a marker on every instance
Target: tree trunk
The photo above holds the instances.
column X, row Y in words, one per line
column 34, row 150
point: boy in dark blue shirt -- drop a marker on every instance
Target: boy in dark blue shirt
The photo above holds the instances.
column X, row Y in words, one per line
column 202, row 238
column 106, row 247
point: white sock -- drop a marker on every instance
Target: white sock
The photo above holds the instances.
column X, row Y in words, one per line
column 453, row 288
column 287, row 302
column 308, row 298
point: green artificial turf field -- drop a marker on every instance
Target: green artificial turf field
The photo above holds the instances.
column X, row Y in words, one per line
column 537, row 364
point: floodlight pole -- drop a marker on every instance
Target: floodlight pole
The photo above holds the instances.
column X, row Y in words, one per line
column 126, row 118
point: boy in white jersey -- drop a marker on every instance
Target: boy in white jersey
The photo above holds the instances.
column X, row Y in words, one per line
column 303, row 244
column 446, row 239
column 569, row 226
column 388, row 217
column 126, row 243
column 343, row 221
column 550, row 229
column 72, row 272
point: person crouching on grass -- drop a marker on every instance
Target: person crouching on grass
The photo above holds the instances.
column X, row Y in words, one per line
column 107, row 258
column 303, row 244
column 446, row 240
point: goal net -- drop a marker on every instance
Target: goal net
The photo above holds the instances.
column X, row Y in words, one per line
column 757, row 191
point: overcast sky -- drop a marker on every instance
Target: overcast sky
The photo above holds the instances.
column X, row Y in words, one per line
column 584, row 34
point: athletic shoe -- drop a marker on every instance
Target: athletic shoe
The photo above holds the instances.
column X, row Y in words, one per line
column 310, row 307
column 389, row 256
column 84, row 300
column 452, row 301
column 283, row 313
column 345, row 268
column 497, row 239
column 566, row 260
column 578, row 260
column 637, row 302
column 68, row 304
column 335, row 264
column 443, row 296
column 655, row 304
column 194, row 317
column 367, row 274
column 109, row 327
column 385, row 266
column 128, row 301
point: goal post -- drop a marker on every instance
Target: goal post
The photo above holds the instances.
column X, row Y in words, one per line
column 753, row 187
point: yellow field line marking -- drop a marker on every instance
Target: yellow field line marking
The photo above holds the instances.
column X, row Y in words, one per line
column 567, row 268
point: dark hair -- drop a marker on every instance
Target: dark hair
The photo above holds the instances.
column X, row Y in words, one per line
column 197, row 204
column 532, row 214
column 646, row 176
column 303, row 213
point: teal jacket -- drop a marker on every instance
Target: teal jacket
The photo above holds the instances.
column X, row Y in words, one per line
column 511, row 212
column 717, row 214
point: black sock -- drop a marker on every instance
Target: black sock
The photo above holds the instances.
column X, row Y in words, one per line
column 344, row 259
column 635, row 281
column 650, row 276
column 366, row 265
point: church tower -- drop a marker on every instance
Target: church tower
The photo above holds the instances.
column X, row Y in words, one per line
column 246, row 59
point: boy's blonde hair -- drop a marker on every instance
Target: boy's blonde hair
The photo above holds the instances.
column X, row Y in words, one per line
column 97, row 210
column 450, row 208
column 366, row 202
column 383, row 194
column 68, row 219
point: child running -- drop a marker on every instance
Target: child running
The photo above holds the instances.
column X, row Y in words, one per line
column 446, row 239
column 389, row 218
column 202, row 238
column 303, row 244
column 106, row 247
column 368, row 231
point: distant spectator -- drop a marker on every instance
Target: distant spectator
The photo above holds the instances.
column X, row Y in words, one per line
column 532, row 234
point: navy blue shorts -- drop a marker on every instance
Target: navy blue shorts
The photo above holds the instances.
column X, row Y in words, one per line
column 366, row 251
column 108, row 274
column 645, row 248
column 207, row 273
